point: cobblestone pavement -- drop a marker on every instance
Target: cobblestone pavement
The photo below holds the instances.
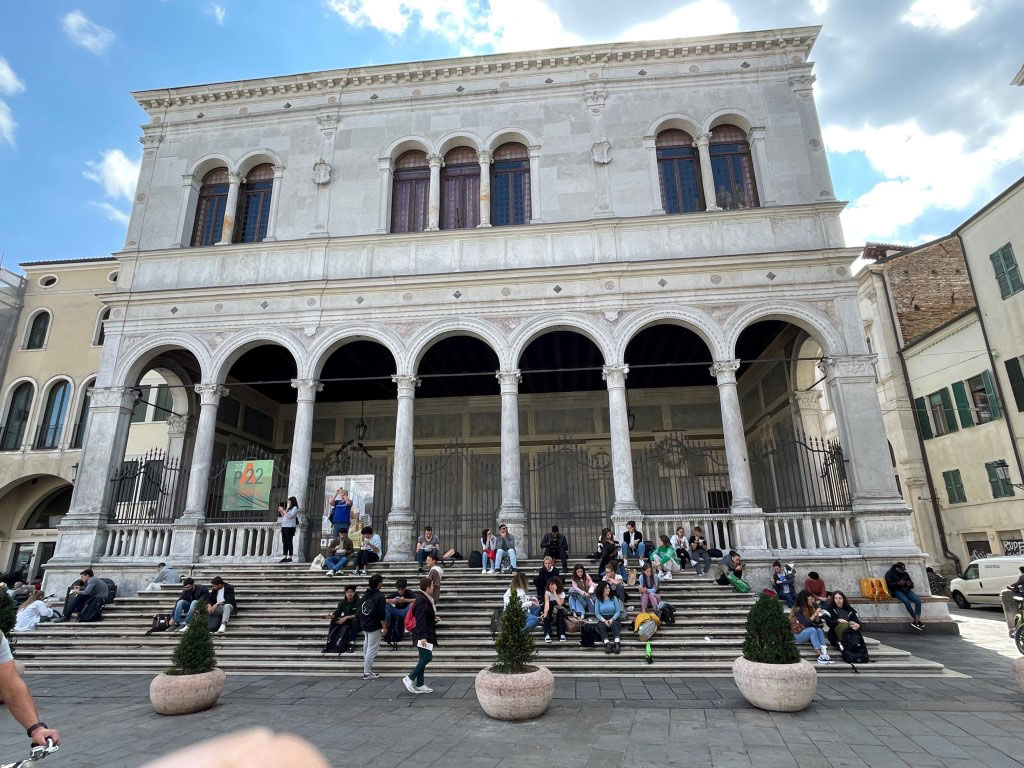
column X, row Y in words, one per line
column 593, row 723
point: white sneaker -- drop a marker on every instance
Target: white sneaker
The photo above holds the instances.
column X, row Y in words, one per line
column 667, row 576
column 422, row 689
column 407, row 682
column 483, row 570
column 823, row 660
column 330, row 573
column 547, row 638
column 490, row 570
column 184, row 628
column 561, row 638
column 222, row 629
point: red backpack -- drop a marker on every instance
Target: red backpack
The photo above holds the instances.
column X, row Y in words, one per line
column 410, row 619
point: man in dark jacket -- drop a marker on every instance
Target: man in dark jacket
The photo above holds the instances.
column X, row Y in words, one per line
column 547, row 573
column 191, row 594
column 373, row 622
column 341, row 637
column 557, row 545
column 222, row 602
column 902, row 588
column 1011, row 605
column 92, row 589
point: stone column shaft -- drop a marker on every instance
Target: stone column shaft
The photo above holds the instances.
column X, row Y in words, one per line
column 387, row 170
column 434, row 204
column 202, row 454
column 230, row 210
column 275, row 201
column 511, row 512
column 485, row 187
column 302, row 447
column 625, row 506
column 707, row 176
column 401, row 516
column 535, row 217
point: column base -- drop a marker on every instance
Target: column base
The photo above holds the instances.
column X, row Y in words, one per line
column 186, row 540
column 400, row 535
column 514, row 516
column 749, row 537
column 483, row 226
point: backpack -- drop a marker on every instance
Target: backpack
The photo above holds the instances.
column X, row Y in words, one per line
column 496, row 621
column 410, row 619
column 666, row 613
column 737, row 583
column 161, row 622
column 92, row 610
column 588, row 635
column 853, row 647
column 647, row 629
column 506, row 565
column 476, row 559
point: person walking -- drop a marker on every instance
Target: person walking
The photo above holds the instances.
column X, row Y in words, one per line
column 901, row 586
column 424, row 638
column 373, row 621
column 435, row 573
column 289, row 514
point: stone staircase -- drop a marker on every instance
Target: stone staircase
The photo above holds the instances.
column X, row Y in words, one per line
column 279, row 629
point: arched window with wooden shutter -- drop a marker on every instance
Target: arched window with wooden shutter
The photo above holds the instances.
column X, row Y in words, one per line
column 213, row 199
column 679, row 172
column 460, row 189
column 254, row 205
column 510, row 185
column 733, row 168
column 410, row 193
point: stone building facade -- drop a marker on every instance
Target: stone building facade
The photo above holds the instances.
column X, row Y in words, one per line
column 634, row 245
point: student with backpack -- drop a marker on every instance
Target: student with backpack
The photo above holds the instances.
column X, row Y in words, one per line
column 608, row 611
column 805, row 622
column 649, row 582
column 840, row 617
column 373, row 623
column 424, row 637
column 341, row 635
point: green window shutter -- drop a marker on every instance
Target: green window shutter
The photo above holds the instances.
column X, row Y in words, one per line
column 949, row 478
column 1010, row 266
column 1001, row 278
column 993, row 479
column 1013, row 372
column 947, row 406
column 921, row 409
column 963, row 405
column 990, row 390
column 959, row 484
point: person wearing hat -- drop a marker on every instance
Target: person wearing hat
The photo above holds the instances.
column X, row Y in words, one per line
column 902, row 588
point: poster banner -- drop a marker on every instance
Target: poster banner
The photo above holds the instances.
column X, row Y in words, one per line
column 360, row 490
column 247, row 485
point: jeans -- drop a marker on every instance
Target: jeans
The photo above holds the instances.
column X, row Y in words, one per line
column 701, row 560
column 77, row 603
column 180, row 607
column 487, row 563
column 639, row 549
column 787, row 597
column 615, row 630
column 910, row 601
column 337, row 528
column 579, row 604
column 225, row 610
column 396, row 614
column 287, row 536
column 371, row 644
column 421, row 556
column 532, row 617
column 417, row 672
column 500, row 554
column 649, row 598
column 335, row 562
column 815, row 634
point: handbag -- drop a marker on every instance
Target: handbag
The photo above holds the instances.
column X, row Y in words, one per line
column 874, row 589
column 161, row 623
column 318, row 563
column 573, row 624
column 737, row 583
column 631, row 577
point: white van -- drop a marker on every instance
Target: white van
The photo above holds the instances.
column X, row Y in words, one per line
column 984, row 579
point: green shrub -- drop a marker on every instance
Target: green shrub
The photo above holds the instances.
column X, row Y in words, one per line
column 769, row 639
column 514, row 645
column 194, row 653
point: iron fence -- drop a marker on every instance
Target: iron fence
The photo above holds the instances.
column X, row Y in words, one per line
column 148, row 489
column 675, row 475
column 796, row 473
column 374, row 509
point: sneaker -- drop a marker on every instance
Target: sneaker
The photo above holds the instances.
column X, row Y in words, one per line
column 370, row 676
column 608, row 649
column 183, row 628
column 490, row 570
column 917, row 625
column 561, row 638
column 423, row 689
column 667, row 576
column 483, row 571
column 547, row 638
column 222, row 629
column 408, row 685
column 283, row 560
column 618, row 647
column 330, row 573
column 823, row 660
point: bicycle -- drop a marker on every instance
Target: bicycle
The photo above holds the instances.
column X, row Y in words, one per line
column 1018, row 625
column 36, row 754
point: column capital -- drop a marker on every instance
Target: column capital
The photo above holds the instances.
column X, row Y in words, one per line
column 386, row 164
column 435, row 161
column 848, row 366
column 509, row 381
column 234, row 178
column 802, row 82
column 725, row 370
column 407, row 384
column 210, row 394
column 701, row 140
column 808, row 399
column 485, row 156
column 112, row 397
column 615, row 375
column 757, row 133
column 307, row 389
column 176, row 425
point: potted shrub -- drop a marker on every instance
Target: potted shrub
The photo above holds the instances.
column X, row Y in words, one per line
column 512, row 688
column 770, row 674
column 8, row 618
column 193, row 682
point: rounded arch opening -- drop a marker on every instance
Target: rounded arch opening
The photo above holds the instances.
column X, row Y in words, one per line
column 558, row 360
column 457, row 365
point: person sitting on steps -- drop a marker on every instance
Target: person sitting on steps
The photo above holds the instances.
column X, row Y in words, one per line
column 783, row 583
column 91, row 589
column 581, row 590
column 344, row 628
column 607, row 549
column 608, row 611
column 555, row 610
column 530, row 604
column 649, row 583
column 32, row 612
column 488, row 551
column 505, row 545
column 164, row 575
column 633, row 543
column 699, row 551
column 613, row 578
column 191, row 594
column 547, row 573
column 397, row 606
column 902, row 588
column 805, row 623
column 223, row 596
column 369, row 552
column 435, row 573
column 816, row 586
column 342, row 554
column 556, row 544
column 682, row 547
column 840, row 617
column 427, row 544
column 729, row 571
column 665, row 558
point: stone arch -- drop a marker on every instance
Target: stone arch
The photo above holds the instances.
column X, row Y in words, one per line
column 732, row 116
column 677, row 121
column 405, row 144
column 134, row 360
column 426, row 337
column 505, row 135
column 805, row 370
column 250, row 160
column 207, row 163
column 237, row 345
column 581, row 324
column 692, row 319
column 815, row 322
column 338, row 337
column 457, row 139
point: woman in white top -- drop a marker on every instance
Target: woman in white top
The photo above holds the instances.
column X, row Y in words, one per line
column 289, row 514
column 530, row 604
column 32, row 611
column 555, row 610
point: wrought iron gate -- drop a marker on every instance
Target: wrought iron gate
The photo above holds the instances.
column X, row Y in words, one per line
column 348, row 463
column 148, row 489
column 793, row 472
column 675, row 475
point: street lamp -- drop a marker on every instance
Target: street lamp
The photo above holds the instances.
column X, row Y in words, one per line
column 1003, row 474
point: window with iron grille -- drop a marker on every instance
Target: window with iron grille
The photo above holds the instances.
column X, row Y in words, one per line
column 17, row 418
column 37, row 331
column 213, row 200
column 510, row 185
column 732, row 168
column 410, row 193
column 52, row 423
column 460, row 189
column 679, row 172
column 254, row 205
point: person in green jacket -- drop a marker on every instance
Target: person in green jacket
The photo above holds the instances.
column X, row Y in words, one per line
column 665, row 558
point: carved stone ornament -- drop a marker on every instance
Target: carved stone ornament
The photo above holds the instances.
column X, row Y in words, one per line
column 595, row 101
column 113, row 397
column 151, row 140
column 321, row 172
column 176, row 424
column 601, row 152
column 327, row 122
column 849, row 366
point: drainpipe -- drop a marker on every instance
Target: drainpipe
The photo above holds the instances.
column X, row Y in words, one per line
column 934, row 497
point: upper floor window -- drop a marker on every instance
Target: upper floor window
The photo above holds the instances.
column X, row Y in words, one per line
column 100, row 332
column 213, row 200
column 1007, row 273
column 460, row 189
column 254, row 199
column 1001, row 487
column 16, row 418
column 410, row 195
column 37, row 331
column 941, row 408
column 679, row 172
column 52, row 423
column 510, row 185
column 732, row 168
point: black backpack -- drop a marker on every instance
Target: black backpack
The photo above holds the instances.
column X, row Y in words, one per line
column 476, row 559
column 496, row 615
column 666, row 613
column 853, row 647
column 161, row 623
column 588, row 635
column 92, row 610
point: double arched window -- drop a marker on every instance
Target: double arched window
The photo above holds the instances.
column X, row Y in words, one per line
column 733, row 168
column 213, row 201
column 251, row 212
column 682, row 162
column 51, row 425
column 510, row 185
column 679, row 172
column 38, row 329
column 410, row 197
column 16, row 418
column 460, row 189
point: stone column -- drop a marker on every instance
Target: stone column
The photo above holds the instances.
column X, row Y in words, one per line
column 401, row 517
column 387, row 171
column 535, row 217
column 748, row 519
column 275, row 201
column 230, row 209
column 434, row 204
column 651, row 146
column 511, row 512
column 625, row 507
column 302, row 447
column 485, row 158
column 881, row 515
column 189, row 201
column 809, row 413
column 762, row 179
column 177, row 429
column 802, row 86
column 202, row 453
column 707, row 176
column 79, row 536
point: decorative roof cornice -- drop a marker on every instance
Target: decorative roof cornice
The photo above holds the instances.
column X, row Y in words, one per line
column 794, row 39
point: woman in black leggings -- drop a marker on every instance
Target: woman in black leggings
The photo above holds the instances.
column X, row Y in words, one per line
column 289, row 520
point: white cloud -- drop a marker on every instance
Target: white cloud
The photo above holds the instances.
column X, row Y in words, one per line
column 115, row 172
column 114, row 214
column 10, row 83
column 7, row 124
column 922, row 171
column 701, row 17
column 940, row 14
column 218, row 12
column 86, row 33
column 819, row 6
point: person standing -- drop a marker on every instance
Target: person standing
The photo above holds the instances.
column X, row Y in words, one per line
column 341, row 512
column 435, row 573
column 557, row 545
column 289, row 515
column 902, row 588
column 373, row 621
column 427, row 544
column 424, row 638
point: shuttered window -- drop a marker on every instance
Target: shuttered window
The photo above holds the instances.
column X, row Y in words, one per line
column 213, row 199
column 679, row 172
column 510, row 185
column 460, row 189
column 1016, row 377
column 954, row 486
column 410, row 195
column 1007, row 273
column 921, row 411
column 1000, row 488
column 963, row 404
column 941, row 408
column 254, row 205
column 732, row 168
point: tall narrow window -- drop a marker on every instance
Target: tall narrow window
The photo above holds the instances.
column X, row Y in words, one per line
column 1007, row 271
column 954, row 486
column 52, row 423
column 37, row 331
column 460, row 189
column 78, row 434
column 163, row 405
column 679, row 172
column 410, row 193
column 733, row 168
column 941, row 408
column 213, row 199
column 510, row 185
column 254, row 204
column 100, row 332
column 16, row 419
column 1000, row 488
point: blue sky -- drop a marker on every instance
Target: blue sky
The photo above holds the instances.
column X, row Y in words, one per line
column 916, row 108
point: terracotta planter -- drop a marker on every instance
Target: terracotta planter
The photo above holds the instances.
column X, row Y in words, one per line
column 184, row 694
column 515, row 697
column 1018, row 671
column 776, row 687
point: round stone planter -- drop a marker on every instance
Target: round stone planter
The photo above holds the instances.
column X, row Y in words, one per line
column 1018, row 671
column 776, row 687
column 515, row 697
column 184, row 694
